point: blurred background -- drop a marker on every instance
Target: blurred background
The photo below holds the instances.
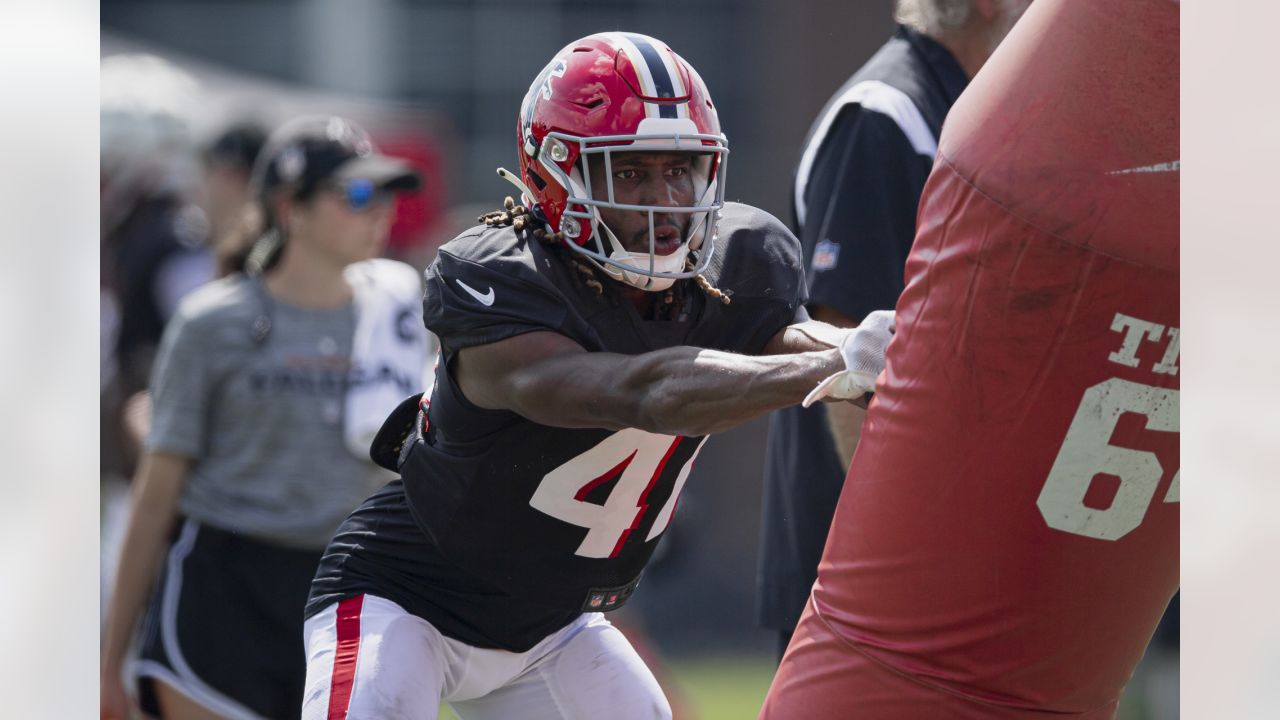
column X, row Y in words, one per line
column 439, row 83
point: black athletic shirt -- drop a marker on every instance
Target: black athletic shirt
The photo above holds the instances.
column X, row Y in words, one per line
column 858, row 185
column 503, row 530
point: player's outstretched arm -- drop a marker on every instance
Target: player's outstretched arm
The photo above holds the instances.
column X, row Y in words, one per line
column 552, row 380
column 862, row 347
column 806, row 336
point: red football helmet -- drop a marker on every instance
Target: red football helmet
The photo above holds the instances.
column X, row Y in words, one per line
column 620, row 92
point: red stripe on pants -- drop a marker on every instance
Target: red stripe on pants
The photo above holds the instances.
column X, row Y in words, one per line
column 344, row 657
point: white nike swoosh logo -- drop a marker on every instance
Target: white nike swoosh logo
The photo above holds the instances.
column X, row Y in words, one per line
column 484, row 298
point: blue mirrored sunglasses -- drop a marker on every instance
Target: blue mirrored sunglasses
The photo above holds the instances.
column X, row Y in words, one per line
column 362, row 194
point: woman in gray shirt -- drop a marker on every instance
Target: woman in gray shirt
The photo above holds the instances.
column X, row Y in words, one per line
column 251, row 459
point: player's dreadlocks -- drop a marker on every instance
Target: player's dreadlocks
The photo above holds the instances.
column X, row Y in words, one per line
column 511, row 214
column 519, row 217
column 705, row 284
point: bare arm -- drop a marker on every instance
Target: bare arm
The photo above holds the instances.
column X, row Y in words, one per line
column 805, row 335
column 552, row 380
column 156, row 488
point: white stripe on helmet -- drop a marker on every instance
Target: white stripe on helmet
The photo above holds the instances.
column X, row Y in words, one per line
column 647, row 86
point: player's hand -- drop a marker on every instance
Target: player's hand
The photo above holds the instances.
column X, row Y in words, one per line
column 863, row 352
column 113, row 702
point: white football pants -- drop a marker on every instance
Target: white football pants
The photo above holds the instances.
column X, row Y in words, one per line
column 369, row 659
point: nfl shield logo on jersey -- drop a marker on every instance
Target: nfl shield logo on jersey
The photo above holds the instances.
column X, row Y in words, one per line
column 825, row 255
column 597, row 599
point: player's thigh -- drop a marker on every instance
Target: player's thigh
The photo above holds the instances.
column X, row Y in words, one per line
column 594, row 674
column 369, row 659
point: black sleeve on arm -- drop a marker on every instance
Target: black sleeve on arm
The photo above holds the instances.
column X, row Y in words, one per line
column 518, row 301
column 862, row 196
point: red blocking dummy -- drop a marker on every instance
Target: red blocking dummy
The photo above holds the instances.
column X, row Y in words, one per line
column 1007, row 537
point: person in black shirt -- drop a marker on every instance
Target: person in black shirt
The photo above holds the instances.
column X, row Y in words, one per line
column 857, row 186
column 591, row 339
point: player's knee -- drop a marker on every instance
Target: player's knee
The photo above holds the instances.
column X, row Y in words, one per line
column 619, row 679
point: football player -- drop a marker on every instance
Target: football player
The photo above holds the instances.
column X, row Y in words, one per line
column 592, row 337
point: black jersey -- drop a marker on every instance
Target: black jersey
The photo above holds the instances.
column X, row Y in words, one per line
column 517, row 527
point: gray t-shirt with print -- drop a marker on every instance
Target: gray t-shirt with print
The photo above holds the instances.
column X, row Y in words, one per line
column 260, row 419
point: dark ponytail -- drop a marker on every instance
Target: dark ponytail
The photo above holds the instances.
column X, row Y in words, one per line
column 254, row 246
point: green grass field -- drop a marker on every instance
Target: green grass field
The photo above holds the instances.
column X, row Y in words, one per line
column 724, row 688
column 720, row 687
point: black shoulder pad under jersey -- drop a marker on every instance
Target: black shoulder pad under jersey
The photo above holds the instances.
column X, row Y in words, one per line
column 757, row 257
column 485, row 286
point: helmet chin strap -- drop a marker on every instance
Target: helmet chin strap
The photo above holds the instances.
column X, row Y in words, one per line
column 671, row 263
column 698, row 229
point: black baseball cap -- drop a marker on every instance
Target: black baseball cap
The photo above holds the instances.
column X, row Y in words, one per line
column 237, row 146
column 311, row 150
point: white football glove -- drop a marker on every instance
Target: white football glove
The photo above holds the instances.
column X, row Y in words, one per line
column 863, row 351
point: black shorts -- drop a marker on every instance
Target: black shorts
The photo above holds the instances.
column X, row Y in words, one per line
column 224, row 626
